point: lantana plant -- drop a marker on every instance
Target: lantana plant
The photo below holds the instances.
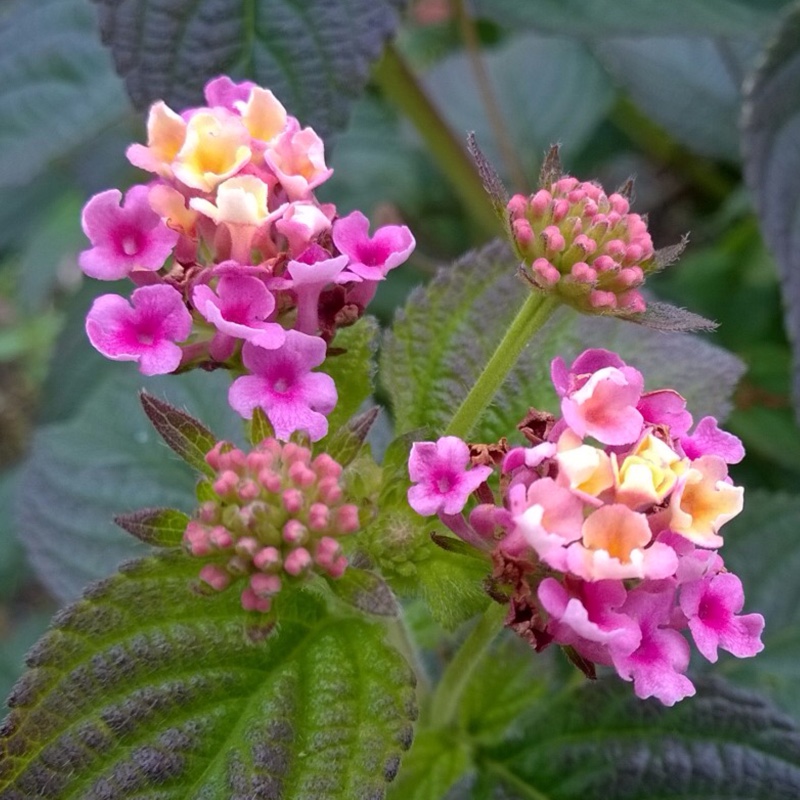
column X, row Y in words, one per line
column 264, row 649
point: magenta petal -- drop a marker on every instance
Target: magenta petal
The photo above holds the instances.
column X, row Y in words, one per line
column 708, row 439
column 372, row 258
column 666, row 407
column 223, row 92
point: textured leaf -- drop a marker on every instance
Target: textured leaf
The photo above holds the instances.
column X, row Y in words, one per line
column 365, row 591
column 352, row 370
column 185, row 435
column 610, row 17
column 761, row 546
column 158, row 527
column 441, row 340
column 314, row 54
column 565, row 103
column 57, row 86
column 772, row 164
column 107, row 460
column 146, row 689
column 689, row 85
column 602, row 743
column 346, row 443
column 259, row 427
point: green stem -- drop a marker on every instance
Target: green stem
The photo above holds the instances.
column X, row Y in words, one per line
column 448, row 695
column 534, row 313
column 400, row 86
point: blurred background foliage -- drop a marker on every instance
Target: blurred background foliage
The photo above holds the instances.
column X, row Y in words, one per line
column 650, row 89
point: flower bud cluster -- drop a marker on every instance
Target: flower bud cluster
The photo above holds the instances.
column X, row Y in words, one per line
column 584, row 245
column 277, row 516
column 236, row 264
column 605, row 533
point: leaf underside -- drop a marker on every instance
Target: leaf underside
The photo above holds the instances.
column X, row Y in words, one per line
column 146, row 689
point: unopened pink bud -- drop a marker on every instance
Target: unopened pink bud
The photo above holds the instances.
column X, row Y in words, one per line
column 207, row 511
column 601, row 299
column 615, row 248
column 270, row 480
column 301, row 475
column 619, row 203
column 215, row 577
column 565, row 185
column 318, row 517
column 265, row 585
column 517, row 206
column 247, row 546
column 553, row 239
column 326, row 467
column 547, row 273
column 329, row 491
column 347, row 518
column 292, row 500
column 590, row 210
column 233, row 459
column 248, row 490
column 560, row 209
column 266, row 558
column 586, row 243
column 295, row 532
column 196, row 537
column 297, row 561
column 540, row 203
column 220, row 537
column 212, row 456
column 633, row 254
column 252, row 602
column 523, row 233
column 583, row 273
column 604, row 263
column 225, row 483
column 294, row 452
column 257, row 460
column 631, row 276
column 632, row 301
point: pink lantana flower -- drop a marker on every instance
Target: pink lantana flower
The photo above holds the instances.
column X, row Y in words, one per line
column 708, row 439
column 224, row 93
column 443, row 481
column 600, row 401
column 293, row 397
column 712, row 607
column 656, row 667
column 123, row 238
column 297, row 157
column 145, row 330
column 666, row 407
column 238, row 310
column 372, row 258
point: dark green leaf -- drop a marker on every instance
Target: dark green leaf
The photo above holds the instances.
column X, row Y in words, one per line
column 147, row 689
column 568, row 98
column 352, row 370
column 107, row 460
column 441, row 340
column 346, row 443
column 638, row 17
column 365, row 591
column 158, row 527
column 57, row 86
column 185, row 435
column 772, row 164
column 689, row 85
column 761, row 546
column 314, row 55
column 602, row 743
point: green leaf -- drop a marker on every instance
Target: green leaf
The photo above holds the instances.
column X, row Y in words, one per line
column 569, row 84
column 771, row 123
column 346, row 443
column 365, row 591
column 602, row 743
column 158, row 527
column 352, row 370
column 314, row 55
column 636, row 17
column 147, row 689
column 107, row 460
column 57, row 86
column 761, row 547
column 185, row 435
column 447, row 331
column 688, row 85
column 259, row 427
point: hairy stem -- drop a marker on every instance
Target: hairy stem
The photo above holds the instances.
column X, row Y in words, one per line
column 536, row 310
column 400, row 86
column 448, row 695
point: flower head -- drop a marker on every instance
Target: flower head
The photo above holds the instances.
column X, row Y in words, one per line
column 372, row 258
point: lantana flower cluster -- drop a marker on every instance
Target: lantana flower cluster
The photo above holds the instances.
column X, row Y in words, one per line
column 583, row 245
column 277, row 516
column 235, row 262
column 604, row 533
